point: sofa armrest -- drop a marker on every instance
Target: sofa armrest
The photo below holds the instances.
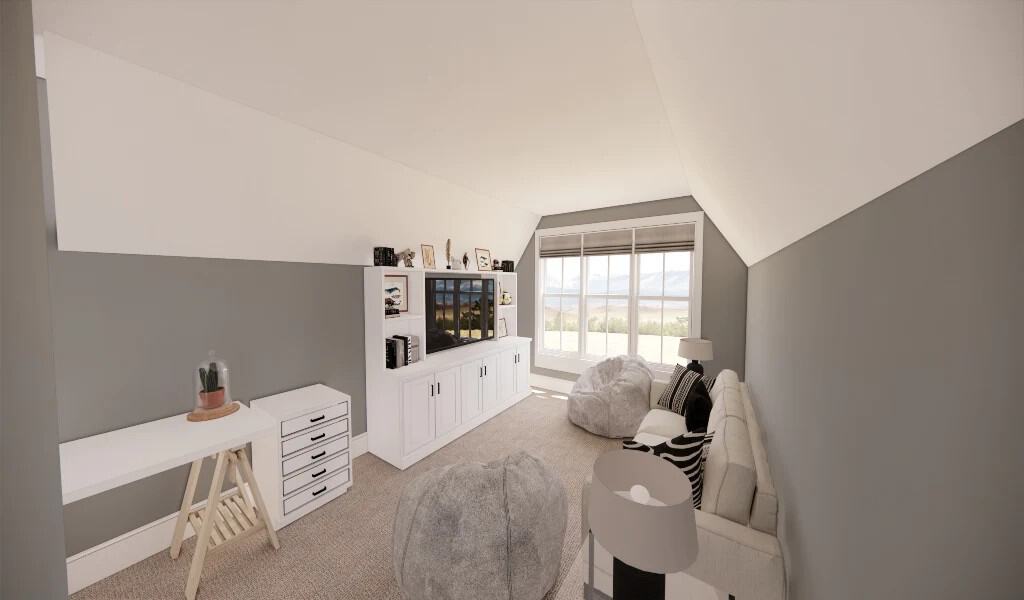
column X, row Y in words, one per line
column 737, row 559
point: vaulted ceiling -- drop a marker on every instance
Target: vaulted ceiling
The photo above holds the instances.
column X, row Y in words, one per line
column 779, row 117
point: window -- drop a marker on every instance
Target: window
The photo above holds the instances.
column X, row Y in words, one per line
column 630, row 287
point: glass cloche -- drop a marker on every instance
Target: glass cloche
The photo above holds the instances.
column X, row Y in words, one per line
column 212, row 389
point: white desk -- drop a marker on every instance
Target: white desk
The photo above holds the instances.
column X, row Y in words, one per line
column 102, row 462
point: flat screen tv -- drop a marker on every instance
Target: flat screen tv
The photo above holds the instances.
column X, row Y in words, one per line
column 459, row 311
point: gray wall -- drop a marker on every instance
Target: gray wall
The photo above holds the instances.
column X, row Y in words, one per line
column 882, row 354
column 129, row 330
column 32, row 539
column 724, row 307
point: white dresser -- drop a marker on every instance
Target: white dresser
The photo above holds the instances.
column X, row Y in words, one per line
column 305, row 463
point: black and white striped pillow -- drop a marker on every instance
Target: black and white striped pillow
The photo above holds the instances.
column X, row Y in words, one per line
column 687, row 452
column 687, row 394
column 679, row 386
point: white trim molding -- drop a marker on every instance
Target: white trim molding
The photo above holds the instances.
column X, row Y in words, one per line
column 103, row 560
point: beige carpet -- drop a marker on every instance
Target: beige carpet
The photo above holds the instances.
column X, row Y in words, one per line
column 343, row 550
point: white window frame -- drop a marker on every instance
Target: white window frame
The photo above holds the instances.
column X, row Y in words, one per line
column 577, row 362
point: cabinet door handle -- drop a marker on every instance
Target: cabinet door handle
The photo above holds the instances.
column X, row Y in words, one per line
column 320, row 491
column 318, row 437
column 438, row 388
column 481, row 369
column 319, row 473
column 320, row 418
column 319, row 455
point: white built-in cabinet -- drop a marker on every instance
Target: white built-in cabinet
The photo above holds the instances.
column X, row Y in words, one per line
column 414, row 410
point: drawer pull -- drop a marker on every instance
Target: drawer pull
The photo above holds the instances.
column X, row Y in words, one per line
column 320, row 491
column 315, row 419
column 318, row 437
column 319, row 455
column 319, row 473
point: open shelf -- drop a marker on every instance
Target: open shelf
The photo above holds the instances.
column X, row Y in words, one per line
column 403, row 317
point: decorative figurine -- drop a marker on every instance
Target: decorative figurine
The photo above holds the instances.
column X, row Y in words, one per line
column 406, row 256
column 465, row 260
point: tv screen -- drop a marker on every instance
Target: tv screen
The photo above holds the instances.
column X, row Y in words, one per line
column 459, row 311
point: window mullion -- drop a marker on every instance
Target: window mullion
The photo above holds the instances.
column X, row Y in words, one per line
column 583, row 323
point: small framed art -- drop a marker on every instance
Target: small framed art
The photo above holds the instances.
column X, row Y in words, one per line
column 396, row 294
column 483, row 259
column 428, row 256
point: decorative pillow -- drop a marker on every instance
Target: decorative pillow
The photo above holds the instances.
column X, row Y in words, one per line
column 687, row 394
column 687, row 452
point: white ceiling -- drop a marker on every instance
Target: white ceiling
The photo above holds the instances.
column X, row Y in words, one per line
column 785, row 115
column 549, row 106
column 789, row 115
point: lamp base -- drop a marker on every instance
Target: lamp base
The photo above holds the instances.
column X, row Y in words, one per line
column 696, row 367
column 630, row 583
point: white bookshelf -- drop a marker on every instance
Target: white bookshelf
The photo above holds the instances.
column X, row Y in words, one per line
column 412, row 411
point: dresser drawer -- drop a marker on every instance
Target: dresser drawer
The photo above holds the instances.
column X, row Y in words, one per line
column 314, row 418
column 313, row 455
column 308, row 495
column 319, row 472
column 314, row 436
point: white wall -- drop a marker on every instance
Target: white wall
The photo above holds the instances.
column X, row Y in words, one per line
column 146, row 164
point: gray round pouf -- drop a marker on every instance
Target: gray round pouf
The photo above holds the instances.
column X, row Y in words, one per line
column 470, row 531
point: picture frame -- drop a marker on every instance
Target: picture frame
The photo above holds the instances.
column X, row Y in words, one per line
column 502, row 328
column 483, row 259
column 396, row 293
column 429, row 261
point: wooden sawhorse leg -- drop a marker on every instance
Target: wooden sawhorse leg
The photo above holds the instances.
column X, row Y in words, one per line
column 223, row 519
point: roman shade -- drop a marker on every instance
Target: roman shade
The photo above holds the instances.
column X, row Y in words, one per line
column 560, row 245
column 665, row 238
column 617, row 241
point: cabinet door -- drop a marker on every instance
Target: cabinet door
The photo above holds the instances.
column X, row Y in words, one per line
column 489, row 384
column 523, row 369
column 470, row 375
column 507, row 375
column 446, row 401
column 417, row 413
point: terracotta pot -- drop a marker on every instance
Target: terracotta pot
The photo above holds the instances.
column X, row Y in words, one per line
column 214, row 399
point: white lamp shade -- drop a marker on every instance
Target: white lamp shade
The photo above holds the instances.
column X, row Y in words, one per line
column 658, row 537
column 695, row 349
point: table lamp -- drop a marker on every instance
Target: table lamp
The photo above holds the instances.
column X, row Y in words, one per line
column 641, row 510
column 696, row 349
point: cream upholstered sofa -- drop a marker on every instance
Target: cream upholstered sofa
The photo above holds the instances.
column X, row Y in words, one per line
column 739, row 551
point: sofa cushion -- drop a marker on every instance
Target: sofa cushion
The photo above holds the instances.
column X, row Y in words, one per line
column 729, row 471
column 764, row 512
column 724, row 380
column 662, row 422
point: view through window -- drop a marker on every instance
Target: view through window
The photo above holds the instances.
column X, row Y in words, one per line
column 616, row 294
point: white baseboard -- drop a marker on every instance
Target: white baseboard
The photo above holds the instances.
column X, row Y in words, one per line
column 551, row 383
column 358, row 445
column 103, row 560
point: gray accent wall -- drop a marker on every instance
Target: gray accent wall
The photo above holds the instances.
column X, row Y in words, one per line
column 882, row 357
column 130, row 330
column 31, row 525
column 724, row 302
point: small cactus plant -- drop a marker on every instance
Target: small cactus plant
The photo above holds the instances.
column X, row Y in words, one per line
column 209, row 378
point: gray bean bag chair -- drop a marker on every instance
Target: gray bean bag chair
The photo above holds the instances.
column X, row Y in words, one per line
column 471, row 531
column 612, row 397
